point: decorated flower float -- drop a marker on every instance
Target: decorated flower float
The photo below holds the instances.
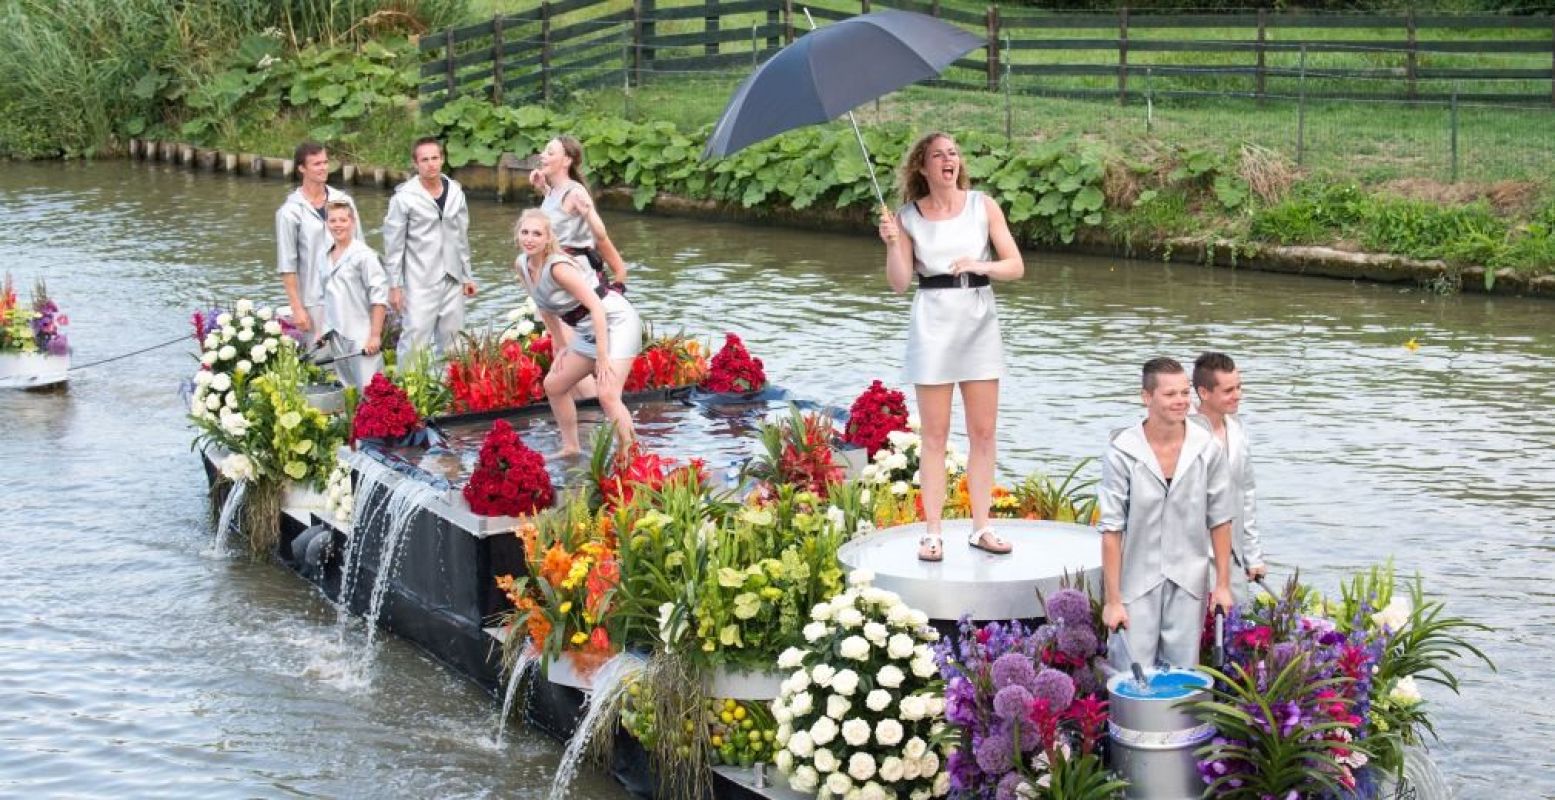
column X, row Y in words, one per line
column 731, row 607
column 34, row 351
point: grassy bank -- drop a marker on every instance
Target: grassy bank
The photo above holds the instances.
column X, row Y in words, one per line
column 1219, row 170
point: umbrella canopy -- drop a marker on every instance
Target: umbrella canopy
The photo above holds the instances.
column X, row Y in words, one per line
column 828, row 72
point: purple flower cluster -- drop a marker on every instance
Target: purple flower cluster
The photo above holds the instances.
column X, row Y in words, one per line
column 1069, row 639
column 46, row 325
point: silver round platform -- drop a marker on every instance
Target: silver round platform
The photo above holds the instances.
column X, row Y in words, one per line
column 970, row 581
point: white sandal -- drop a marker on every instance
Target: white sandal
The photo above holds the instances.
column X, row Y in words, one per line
column 931, row 547
column 998, row 546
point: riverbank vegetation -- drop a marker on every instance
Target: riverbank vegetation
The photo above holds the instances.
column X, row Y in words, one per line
column 260, row 78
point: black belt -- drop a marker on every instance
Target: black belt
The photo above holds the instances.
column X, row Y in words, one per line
column 576, row 315
column 966, row 280
column 598, row 263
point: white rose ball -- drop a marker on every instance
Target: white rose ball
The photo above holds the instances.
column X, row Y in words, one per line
column 259, row 355
column 822, row 674
column 876, row 633
column 231, row 401
column 855, row 732
column 923, row 667
column 228, row 332
column 850, row 618
column 209, row 358
column 915, row 748
column 227, row 352
column 919, row 618
column 800, row 681
column 785, row 731
column 212, row 402
column 801, row 704
column 266, row 312
column 860, row 577
column 929, row 764
column 805, row 779
column 822, row 732
column 942, row 784
column 920, row 794
column 815, row 631
column 891, row 769
column 821, row 612
column 244, row 366
column 855, row 648
column 224, row 319
column 790, row 658
column 935, row 707
column 845, row 682
column 838, row 783
column 781, row 714
column 888, row 732
column 245, row 307
column 837, row 706
column 878, row 700
column 273, row 328
column 211, row 341
column 913, row 708
column 784, row 761
column 825, row 761
column 910, row 770
column 800, row 744
column 873, row 791
column 861, row 766
column 890, row 676
column 900, row 646
column 221, row 382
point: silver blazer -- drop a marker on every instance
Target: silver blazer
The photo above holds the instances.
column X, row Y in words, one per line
column 1245, row 542
column 422, row 243
column 300, row 236
column 1165, row 530
column 353, row 284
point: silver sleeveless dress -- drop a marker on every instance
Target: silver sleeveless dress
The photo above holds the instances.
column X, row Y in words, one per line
column 570, row 230
column 954, row 333
column 626, row 328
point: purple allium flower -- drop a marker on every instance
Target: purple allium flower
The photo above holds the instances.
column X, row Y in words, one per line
column 1069, row 607
column 1077, row 641
column 995, row 753
column 1030, row 737
column 1007, row 786
column 1056, row 688
column 1012, row 702
column 1013, row 669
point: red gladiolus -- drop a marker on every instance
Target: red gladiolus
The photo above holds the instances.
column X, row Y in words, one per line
column 385, row 412
column 734, row 370
column 509, row 478
column 874, row 416
column 485, row 378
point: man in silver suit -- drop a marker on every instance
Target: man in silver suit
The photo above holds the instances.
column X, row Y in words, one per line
column 1219, row 386
column 1165, row 500
column 426, row 252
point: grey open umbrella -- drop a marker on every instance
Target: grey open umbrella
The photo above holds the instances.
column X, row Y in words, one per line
column 828, row 72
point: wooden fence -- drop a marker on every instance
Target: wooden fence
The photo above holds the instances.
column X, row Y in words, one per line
column 534, row 54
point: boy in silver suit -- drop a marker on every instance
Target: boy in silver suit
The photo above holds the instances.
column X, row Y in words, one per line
column 1219, row 386
column 1165, row 498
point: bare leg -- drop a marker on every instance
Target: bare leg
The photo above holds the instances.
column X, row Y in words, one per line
column 934, row 411
column 610, row 401
column 558, row 390
column 981, row 399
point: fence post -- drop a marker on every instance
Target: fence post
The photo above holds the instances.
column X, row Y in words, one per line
column 1259, row 50
column 993, row 48
column 774, row 15
column 1149, row 101
column 650, row 32
column 1411, row 57
column 1552, row 60
column 545, row 51
column 753, row 45
column 637, row 42
column 863, row 6
column 448, row 58
column 496, row 60
column 1301, row 109
column 1455, row 133
column 710, row 25
column 934, row 8
column 788, row 21
column 1122, row 55
column 1009, row 114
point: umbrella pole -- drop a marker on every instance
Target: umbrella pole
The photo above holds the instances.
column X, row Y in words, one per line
column 869, row 163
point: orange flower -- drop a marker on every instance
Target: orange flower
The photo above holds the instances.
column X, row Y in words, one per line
column 529, row 534
column 539, row 627
column 555, row 566
column 602, row 579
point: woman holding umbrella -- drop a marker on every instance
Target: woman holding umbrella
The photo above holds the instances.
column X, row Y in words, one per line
column 956, row 242
column 579, row 230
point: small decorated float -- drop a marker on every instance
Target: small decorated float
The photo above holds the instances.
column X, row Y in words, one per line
column 34, row 351
column 722, row 609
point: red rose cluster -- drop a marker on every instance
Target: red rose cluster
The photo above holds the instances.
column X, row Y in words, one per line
column 509, row 479
column 874, row 416
column 385, row 412
column 734, row 370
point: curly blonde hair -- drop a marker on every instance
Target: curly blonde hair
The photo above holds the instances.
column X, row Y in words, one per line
column 910, row 183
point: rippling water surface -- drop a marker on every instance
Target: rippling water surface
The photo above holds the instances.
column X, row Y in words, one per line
column 131, row 665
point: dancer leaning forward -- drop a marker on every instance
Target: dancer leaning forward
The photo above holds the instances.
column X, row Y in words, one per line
column 947, row 236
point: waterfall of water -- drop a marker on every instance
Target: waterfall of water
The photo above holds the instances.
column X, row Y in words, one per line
column 229, row 516
column 528, row 656
column 369, row 500
column 405, row 502
column 609, row 682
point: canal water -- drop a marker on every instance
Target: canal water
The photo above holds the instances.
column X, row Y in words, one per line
column 132, row 664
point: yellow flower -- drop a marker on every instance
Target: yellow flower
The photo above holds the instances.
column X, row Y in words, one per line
column 1411, row 345
column 565, row 607
column 579, row 637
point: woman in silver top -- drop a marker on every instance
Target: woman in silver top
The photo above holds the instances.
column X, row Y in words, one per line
column 956, row 242
column 593, row 329
column 579, row 230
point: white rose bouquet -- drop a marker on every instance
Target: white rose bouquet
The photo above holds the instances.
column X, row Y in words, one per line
column 861, row 714
column 339, row 499
column 896, row 466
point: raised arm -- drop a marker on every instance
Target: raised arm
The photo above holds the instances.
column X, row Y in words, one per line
column 579, row 202
column 898, row 251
